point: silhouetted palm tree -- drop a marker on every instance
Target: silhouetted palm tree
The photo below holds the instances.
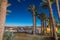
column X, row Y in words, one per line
column 50, row 26
column 52, row 19
column 3, row 6
column 57, row 6
column 33, row 10
column 42, row 17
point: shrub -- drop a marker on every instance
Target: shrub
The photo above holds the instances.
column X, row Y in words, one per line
column 8, row 35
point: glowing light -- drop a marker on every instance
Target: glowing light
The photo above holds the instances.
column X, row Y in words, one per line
column 56, row 29
column 48, row 30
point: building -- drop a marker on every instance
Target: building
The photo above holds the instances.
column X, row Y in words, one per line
column 22, row 29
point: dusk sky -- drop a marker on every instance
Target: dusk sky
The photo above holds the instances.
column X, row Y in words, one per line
column 20, row 16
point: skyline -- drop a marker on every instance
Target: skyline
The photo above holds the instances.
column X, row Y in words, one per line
column 20, row 16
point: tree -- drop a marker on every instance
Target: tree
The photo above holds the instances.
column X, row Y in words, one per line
column 3, row 6
column 42, row 17
column 57, row 7
column 50, row 25
column 33, row 10
column 52, row 19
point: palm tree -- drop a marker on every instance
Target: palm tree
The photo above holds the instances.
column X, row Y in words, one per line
column 42, row 17
column 33, row 10
column 3, row 6
column 57, row 6
column 50, row 26
column 52, row 19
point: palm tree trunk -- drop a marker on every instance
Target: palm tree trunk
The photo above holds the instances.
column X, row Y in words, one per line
column 57, row 6
column 43, row 27
column 50, row 25
column 2, row 17
column 34, row 23
column 53, row 21
column 51, row 29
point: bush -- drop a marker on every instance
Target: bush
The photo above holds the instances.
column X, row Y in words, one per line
column 8, row 35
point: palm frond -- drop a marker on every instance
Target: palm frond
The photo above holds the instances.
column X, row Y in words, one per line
column 50, row 0
column 44, row 5
column 9, row 11
column 32, row 8
column 9, row 4
column 42, row 16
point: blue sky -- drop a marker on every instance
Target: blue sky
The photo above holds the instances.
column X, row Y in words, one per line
column 20, row 16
